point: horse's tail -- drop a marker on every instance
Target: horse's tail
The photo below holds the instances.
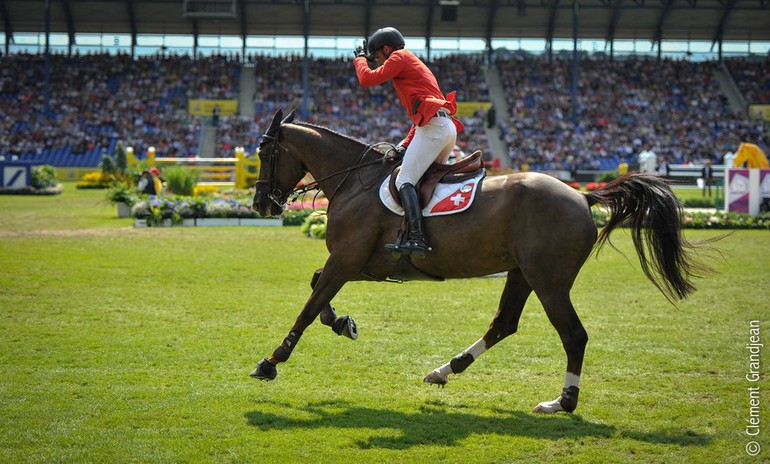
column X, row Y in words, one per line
column 648, row 206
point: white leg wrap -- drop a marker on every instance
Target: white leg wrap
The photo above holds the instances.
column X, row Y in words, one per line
column 571, row 380
column 445, row 370
column 441, row 375
column 477, row 349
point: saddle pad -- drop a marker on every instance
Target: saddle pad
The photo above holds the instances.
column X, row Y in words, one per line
column 446, row 199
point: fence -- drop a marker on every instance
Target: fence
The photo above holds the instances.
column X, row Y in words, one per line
column 239, row 171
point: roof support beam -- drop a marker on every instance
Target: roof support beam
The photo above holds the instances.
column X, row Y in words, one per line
column 131, row 24
column 667, row 5
column 491, row 25
column 368, row 20
column 720, row 32
column 244, row 29
column 551, row 28
column 195, row 39
column 70, row 25
column 616, row 11
column 7, row 23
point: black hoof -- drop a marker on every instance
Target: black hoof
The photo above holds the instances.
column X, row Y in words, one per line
column 264, row 371
column 345, row 325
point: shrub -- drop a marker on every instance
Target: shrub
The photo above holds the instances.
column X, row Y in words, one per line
column 608, row 176
column 315, row 225
column 293, row 217
column 698, row 202
column 44, row 177
column 107, row 166
column 121, row 159
column 94, row 180
column 121, row 192
column 203, row 190
column 181, row 181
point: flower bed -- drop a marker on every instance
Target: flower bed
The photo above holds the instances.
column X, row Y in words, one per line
column 230, row 208
column 706, row 220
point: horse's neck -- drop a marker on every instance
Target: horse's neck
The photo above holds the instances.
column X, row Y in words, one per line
column 325, row 153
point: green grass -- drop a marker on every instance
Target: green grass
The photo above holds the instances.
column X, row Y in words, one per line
column 694, row 193
column 134, row 345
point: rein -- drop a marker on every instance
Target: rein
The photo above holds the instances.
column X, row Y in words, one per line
column 280, row 198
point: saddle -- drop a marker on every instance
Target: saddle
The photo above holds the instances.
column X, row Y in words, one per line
column 465, row 169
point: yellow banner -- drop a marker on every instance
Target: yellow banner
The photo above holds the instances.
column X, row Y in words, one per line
column 759, row 112
column 468, row 109
column 206, row 107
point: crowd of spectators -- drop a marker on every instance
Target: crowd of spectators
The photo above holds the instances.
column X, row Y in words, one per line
column 672, row 107
column 97, row 99
column 752, row 77
column 373, row 114
column 624, row 106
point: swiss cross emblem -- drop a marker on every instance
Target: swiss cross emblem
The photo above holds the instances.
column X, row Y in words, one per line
column 457, row 199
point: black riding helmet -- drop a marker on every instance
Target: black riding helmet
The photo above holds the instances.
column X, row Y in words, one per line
column 385, row 36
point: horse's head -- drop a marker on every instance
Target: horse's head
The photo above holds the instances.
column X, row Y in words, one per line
column 279, row 173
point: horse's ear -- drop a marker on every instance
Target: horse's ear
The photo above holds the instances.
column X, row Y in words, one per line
column 290, row 117
column 275, row 123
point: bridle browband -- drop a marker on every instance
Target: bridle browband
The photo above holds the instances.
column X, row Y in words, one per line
column 280, row 198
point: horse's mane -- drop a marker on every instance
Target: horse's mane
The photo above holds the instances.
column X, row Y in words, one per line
column 331, row 131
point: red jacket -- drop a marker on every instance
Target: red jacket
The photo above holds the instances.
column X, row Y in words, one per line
column 415, row 85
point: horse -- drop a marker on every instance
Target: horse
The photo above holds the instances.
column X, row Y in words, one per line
column 532, row 226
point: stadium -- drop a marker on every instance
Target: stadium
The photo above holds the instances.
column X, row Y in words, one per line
column 135, row 338
column 580, row 87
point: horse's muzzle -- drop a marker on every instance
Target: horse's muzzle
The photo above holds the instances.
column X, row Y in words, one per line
column 265, row 205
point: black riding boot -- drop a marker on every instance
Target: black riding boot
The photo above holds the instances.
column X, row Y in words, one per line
column 414, row 243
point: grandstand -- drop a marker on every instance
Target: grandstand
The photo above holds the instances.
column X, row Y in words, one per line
column 69, row 109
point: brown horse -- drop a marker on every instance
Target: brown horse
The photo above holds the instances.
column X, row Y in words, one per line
column 532, row 226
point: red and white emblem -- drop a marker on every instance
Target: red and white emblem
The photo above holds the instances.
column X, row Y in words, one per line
column 457, row 200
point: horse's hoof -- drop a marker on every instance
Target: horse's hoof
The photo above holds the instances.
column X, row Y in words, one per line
column 435, row 378
column 549, row 407
column 264, row 371
column 345, row 325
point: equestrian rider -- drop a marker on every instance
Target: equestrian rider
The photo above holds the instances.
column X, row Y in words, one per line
column 433, row 133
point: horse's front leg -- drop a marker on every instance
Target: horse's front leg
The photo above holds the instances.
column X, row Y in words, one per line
column 343, row 325
column 325, row 287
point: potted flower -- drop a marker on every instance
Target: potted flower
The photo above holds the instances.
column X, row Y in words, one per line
column 121, row 194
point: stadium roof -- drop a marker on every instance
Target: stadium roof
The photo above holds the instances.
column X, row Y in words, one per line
column 711, row 20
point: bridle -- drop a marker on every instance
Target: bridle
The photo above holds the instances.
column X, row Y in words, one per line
column 275, row 194
column 280, row 198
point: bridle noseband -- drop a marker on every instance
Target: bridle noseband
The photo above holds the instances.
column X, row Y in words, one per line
column 275, row 194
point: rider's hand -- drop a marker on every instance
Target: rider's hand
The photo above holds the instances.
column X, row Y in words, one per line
column 400, row 150
column 360, row 50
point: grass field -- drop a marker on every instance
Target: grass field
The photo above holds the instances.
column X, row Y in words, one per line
column 134, row 345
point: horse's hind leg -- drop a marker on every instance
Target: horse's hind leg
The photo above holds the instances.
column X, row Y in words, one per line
column 343, row 325
column 574, row 338
column 505, row 323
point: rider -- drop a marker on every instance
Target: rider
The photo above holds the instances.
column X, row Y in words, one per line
column 433, row 133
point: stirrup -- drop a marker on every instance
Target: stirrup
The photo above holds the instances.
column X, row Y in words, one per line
column 416, row 248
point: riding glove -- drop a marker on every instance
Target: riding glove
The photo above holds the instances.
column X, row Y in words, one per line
column 360, row 50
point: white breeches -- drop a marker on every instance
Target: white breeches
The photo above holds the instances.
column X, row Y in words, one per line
column 431, row 142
